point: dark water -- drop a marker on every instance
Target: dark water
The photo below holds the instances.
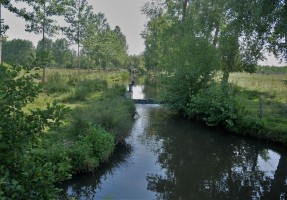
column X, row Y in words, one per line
column 167, row 158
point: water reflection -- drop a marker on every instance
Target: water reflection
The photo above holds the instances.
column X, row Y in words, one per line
column 167, row 158
column 86, row 186
column 200, row 164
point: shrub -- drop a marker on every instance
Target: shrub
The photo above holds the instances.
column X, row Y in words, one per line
column 214, row 107
column 91, row 149
column 192, row 66
column 249, row 125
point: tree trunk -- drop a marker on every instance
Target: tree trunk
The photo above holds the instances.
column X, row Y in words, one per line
column 44, row 45
column 78, row 59
column 225, row 78
column 184, row 10
column 0, row 33
column 215, row 39
column 78, row 36
column 44, row 74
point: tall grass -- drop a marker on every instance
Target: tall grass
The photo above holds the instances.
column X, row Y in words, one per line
column 100, row 116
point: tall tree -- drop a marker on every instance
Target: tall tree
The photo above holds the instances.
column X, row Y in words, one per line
column 3, row 28
column 62, row 53
column 44, row 56
column 43, row 21
column 77, row 16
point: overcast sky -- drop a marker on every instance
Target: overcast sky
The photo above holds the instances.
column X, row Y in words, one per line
column 124, row 13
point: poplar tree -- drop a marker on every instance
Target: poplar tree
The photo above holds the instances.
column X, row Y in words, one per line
column 44, row 23
column 77, row 15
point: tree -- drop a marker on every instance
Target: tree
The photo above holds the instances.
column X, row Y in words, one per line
column 240, row 30
column 3, row 28
column 43, row 22
column 18, row 52
column 107, row 49
column 63, row 55
column 44, row 55
column 97, row 26
column 77, row 16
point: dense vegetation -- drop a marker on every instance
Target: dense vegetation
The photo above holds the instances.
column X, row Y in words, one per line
column 36, row 152
column 198, row 45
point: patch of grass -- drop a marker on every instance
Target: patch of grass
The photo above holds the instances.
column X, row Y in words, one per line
column 266, row 84
column 111, row 111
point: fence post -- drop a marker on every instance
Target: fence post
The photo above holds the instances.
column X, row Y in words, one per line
column 260, row 107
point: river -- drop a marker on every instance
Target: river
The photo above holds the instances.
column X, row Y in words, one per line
column 173, row 158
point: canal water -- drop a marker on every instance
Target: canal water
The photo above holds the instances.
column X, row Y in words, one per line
column 173, row 158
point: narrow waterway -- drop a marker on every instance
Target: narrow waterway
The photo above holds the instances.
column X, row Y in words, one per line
column 168, row 158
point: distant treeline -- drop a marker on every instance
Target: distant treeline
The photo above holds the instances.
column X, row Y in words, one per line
column 61, row 55
column 265, row 69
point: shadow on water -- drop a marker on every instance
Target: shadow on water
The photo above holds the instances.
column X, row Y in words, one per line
column 202, row 164
column 84, row 186
column 168, row 158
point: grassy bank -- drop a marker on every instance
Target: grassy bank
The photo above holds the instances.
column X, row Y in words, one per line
column 100, row 116
column 272, row 90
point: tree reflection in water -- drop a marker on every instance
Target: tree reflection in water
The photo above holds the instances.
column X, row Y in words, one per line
column 201, row 164
column 169, row 158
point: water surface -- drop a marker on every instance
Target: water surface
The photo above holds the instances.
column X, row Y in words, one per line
column 168, row 158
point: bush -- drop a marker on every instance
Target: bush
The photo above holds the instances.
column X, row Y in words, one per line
column 249, row 125
column 214, row 107
column 91, row 149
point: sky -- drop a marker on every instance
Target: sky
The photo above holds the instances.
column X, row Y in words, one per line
column 124, row 13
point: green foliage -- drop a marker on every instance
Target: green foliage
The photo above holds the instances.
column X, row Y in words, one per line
column 193, row 65
column 95, row 145
column 63, row 56
column 23, row 173
column 18, row 52
column 214, row 107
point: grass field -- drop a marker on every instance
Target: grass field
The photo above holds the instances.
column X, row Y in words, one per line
column 272, row 89
column 275, row 85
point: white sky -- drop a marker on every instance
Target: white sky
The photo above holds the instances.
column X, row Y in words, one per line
column 124, row 13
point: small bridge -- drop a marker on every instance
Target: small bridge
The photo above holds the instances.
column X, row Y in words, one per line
column 145, row 101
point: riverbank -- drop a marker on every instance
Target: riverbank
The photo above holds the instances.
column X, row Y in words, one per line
column 99, row 117
column 256, row 105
